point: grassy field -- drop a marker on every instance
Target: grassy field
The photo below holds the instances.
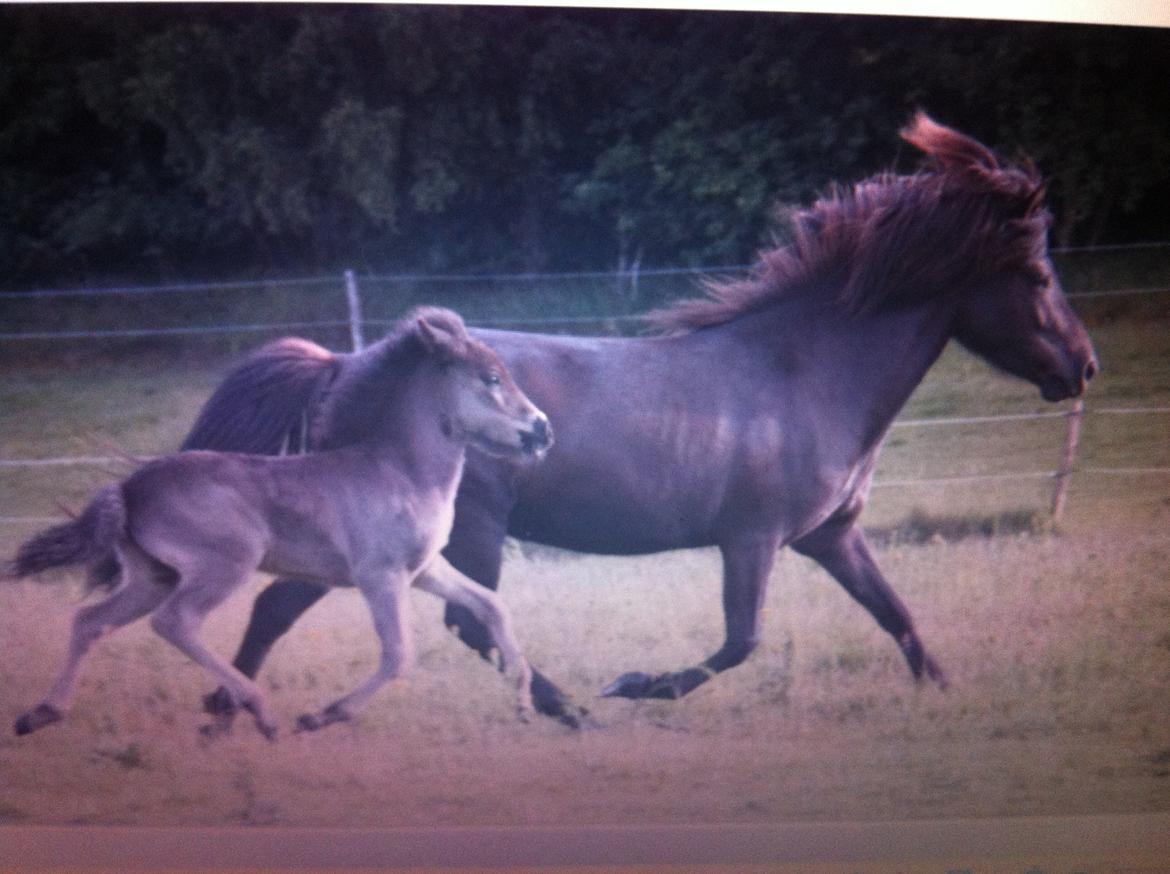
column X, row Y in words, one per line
column 1056, row 638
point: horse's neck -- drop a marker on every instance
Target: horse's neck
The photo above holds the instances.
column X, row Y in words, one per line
column 864, row 366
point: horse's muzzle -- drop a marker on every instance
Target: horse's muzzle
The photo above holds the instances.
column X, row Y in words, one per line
column 1059, row 388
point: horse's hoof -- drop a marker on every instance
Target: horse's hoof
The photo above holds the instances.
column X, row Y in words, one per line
column 219, row 703
column 637, row 684
column 634, row 684
column 38, row 717
column 674, row 686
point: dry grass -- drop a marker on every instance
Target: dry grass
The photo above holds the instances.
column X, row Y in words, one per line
column 1057, row 643
column 1058, row 650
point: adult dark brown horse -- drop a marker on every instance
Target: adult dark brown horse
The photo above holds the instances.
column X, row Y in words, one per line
column 754, row 420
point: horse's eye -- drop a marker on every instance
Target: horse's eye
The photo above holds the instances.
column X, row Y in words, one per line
column 491, row 378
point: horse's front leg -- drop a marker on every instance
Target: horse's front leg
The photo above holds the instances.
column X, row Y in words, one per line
column 747, row 563
column 387, row 595
column 840, row 548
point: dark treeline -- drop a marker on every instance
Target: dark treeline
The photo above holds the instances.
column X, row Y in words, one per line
column 146, row 142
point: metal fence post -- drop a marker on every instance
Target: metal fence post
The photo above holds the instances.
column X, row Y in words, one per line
column 355, row 311
column 1072, row 440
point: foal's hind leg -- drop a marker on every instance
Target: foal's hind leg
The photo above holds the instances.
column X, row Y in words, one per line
column 388, row 598
column 273, row 613
column 180, row 617
column 138, row 595
column 443, row 580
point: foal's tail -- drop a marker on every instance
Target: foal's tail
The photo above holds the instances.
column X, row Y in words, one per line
column 90, row 536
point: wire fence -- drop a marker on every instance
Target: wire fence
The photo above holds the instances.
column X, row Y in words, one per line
column 608, row 299
column 1095, row 281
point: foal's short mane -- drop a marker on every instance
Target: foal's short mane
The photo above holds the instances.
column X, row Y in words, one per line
column 889, row 238
column 353, row 407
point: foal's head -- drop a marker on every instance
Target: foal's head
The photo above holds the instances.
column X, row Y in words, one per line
column 483, row 405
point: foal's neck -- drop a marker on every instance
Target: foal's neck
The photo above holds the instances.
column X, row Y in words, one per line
column 412, row 434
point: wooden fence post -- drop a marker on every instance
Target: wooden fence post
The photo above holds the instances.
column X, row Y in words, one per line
column 1072, row 440
column 355, row 311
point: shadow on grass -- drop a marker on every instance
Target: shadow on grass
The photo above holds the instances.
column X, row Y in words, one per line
column 921, row 527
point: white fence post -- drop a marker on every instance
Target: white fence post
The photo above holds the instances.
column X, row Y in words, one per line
column 355, row 311
column 1072, row 440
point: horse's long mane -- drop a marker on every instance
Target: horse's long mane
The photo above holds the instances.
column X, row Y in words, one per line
column 886, row 239
column 352, row 409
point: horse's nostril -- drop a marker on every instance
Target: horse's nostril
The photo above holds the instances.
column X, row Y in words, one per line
column 1090, row 369
column 542, row 431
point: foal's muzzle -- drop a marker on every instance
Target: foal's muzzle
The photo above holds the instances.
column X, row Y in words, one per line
column 539, row 439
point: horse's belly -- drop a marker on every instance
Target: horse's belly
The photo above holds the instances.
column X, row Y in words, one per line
column 611, row 527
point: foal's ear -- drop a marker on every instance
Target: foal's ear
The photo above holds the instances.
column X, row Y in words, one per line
column 441, row 336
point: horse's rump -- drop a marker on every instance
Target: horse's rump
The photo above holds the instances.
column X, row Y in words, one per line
column 265, row 406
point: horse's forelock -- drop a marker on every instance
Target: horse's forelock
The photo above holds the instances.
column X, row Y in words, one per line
column 951, row 150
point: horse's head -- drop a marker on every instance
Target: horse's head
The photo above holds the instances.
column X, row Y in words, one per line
column 485, row 407
column 1020, row 321
column 1013, row 311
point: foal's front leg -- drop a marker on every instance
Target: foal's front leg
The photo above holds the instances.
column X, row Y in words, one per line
column 443, row 580
column 388, row 598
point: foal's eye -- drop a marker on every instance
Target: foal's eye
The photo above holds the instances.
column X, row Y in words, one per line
column 491, row 379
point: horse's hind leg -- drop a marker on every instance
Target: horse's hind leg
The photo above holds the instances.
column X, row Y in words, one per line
column 443, row 580
column 181, row 616
column 388, row 599
column 138, row 595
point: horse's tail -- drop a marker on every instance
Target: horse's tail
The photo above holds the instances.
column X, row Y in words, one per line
column 89, row 537
column 266, row 404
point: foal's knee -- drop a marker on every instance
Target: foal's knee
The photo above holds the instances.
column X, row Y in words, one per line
column 168, row 623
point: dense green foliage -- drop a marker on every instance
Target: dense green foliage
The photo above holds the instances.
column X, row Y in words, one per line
column 192, row 141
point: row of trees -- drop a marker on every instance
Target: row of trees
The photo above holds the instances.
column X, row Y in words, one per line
column 175, row 140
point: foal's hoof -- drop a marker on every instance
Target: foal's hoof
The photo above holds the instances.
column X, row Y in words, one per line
column 548, row 700
column 637, row 684
column 39, row 717
column 317, row 721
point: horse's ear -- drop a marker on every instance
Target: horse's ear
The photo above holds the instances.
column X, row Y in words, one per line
column 442, row 334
